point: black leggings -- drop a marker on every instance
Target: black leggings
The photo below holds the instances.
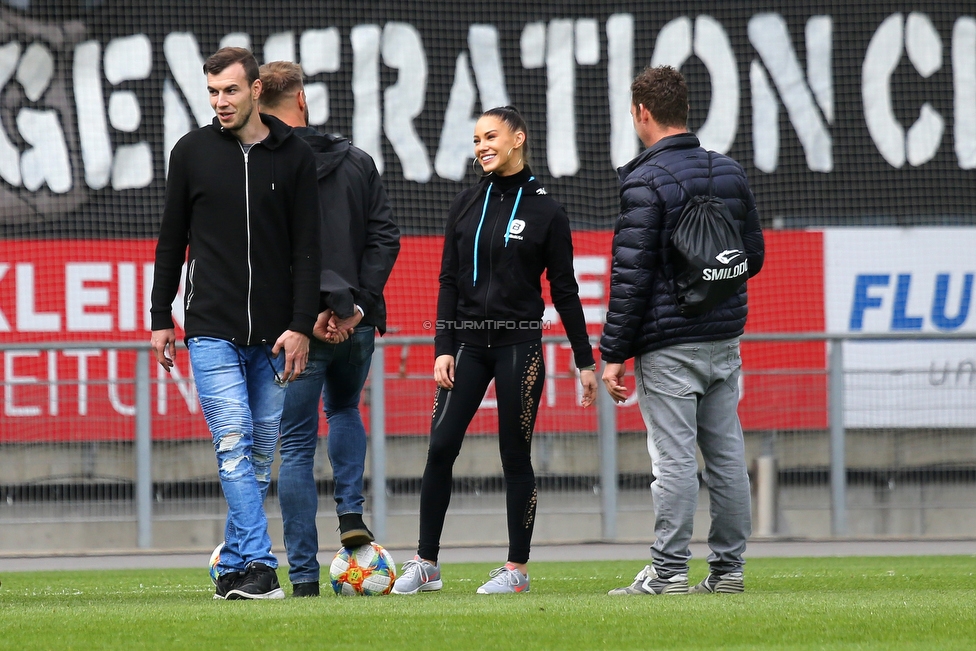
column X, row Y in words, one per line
column 519, row 373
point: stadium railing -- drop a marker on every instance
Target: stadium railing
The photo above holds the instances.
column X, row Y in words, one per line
column 777, row 456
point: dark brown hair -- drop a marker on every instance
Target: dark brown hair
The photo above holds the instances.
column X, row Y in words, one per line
column 663, row 92
column 514, row 120
column 279, row 78
column 228, row 56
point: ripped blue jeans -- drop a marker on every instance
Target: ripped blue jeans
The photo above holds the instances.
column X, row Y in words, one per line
column 242, row 405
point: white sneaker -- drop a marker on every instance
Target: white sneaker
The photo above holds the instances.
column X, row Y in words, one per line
column 647, row 581
column 505, row 580
column 418, row 575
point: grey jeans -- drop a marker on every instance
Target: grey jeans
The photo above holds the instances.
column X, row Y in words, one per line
column 689, row 393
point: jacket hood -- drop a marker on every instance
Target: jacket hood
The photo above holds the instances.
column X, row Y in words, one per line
column 678, row 141
column 329, row 149
column 279, row 131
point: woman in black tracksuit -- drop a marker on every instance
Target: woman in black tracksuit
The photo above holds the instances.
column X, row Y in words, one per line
column 501, row 235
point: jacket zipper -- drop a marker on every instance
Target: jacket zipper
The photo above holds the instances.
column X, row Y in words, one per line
column 494, row 227
column 247, row 223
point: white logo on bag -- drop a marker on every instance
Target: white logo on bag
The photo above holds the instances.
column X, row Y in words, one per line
column 517, row 227
column 728, row 255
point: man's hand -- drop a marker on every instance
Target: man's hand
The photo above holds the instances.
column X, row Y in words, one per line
column 296, row 353
column 588, row 381
column 444, row 371
column 613, row 380
column 321, row 328
column 341, row 329
column 160, row 341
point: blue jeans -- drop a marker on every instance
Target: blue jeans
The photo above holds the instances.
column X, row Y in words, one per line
column 242, row 404
column 336, row 373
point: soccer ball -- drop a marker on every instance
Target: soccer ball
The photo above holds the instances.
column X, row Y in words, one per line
column 367, row 570
column 214, row 559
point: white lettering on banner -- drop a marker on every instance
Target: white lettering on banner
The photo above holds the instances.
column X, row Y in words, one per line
column 454, row 149
column 127, row 297
column 769, row 34
column 404, row 100
column 919, row 37
column 711, row 45
column 79, row 296
column 27, row 318
column 4, row 324
column 9, row 154
column 82, row 359
column 280, row 47
column 87, row 293
column 964, row 91
column 12, row 380
column 591, row 273
column 366, row 120
column 36, row 154
column 320, row 53
column 82, row 379
column 620, row 74
column 113, row 386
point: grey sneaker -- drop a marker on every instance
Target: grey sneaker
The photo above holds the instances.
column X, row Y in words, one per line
column 416, row 576
column 505, row 580
column 647, row 581
column 729, row 583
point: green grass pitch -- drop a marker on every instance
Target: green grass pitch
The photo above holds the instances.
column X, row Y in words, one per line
column 892, row 603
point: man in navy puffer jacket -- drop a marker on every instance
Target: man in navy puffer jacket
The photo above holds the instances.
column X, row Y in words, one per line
column 686, row 368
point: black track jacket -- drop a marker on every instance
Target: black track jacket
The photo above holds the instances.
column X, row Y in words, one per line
column 359, row 237
column 495, row 251
column 252, row 226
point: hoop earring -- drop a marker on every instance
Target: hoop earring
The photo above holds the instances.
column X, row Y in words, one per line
column 474, row 164
column 510, row 152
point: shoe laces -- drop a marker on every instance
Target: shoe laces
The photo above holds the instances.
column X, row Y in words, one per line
column 415, row 565
column 504, row 575
column 647, row 573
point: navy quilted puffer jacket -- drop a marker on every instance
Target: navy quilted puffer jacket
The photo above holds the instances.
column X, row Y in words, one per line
column 643, row 315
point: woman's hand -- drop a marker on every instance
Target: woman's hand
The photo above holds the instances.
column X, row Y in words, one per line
column 588, row 381
column 444, row 372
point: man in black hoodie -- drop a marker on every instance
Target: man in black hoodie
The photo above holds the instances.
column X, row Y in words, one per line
column 360, row 243
column 241, row 194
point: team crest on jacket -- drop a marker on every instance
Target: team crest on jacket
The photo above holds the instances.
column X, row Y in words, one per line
column 517, row 227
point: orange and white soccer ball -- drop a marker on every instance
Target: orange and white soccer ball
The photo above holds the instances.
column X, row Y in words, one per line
column 365, row 571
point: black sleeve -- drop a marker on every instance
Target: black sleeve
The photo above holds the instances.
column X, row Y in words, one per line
column 306, row 252
column 174, row 234
column 752, row 235
column 564, row 288
column 447, row 295
column 634, row 258
column 382, row 244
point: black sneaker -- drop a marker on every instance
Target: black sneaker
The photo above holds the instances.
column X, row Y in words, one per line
column 353, row 531
column 308, row 589
column 227, row 582
column 259, row 582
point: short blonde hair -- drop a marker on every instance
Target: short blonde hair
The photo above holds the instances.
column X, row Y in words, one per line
column 279, row 78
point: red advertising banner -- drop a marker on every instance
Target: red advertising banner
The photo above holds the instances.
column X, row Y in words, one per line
column 98, row 291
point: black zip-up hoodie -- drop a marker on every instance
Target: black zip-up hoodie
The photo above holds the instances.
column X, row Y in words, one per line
column 501, row 235
column 359, row 238
column 252, row 225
